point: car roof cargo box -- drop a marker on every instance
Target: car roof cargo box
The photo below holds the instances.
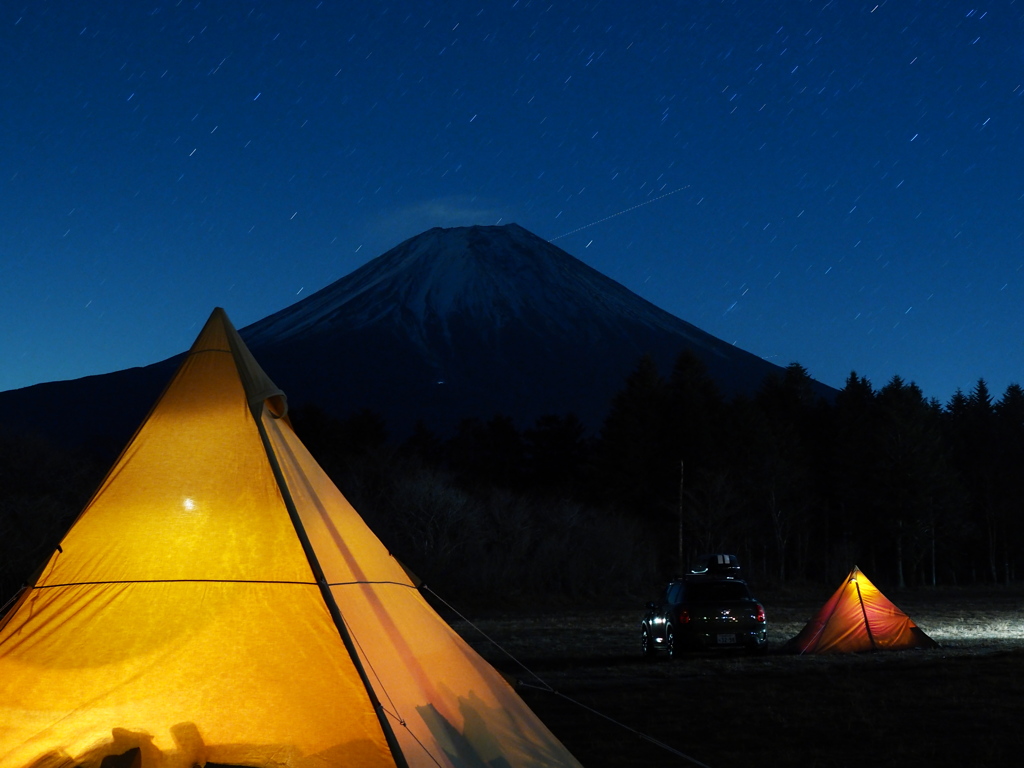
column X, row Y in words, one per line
column 718, row 565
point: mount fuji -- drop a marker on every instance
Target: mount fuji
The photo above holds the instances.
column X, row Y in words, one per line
column 453, row 323
column 474, row 321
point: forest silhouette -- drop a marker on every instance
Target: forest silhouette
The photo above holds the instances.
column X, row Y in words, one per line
column 800, row 487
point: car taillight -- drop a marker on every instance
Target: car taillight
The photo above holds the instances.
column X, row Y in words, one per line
column 759, row 613
column 684, row 616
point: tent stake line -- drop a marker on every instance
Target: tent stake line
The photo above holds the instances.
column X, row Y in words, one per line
column 547, row 688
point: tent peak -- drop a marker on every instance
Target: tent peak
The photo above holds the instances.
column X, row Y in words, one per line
column 259, row 388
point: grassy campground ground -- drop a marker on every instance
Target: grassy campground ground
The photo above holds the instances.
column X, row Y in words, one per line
column 959, row 705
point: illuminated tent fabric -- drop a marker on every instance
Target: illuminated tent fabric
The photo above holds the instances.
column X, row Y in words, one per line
column 858, row 617
column 218, row 600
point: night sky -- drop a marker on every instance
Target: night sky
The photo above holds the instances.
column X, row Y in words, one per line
column 839, row 184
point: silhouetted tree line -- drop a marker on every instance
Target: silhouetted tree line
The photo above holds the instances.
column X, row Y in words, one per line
column 803, row 488
column 800, row 487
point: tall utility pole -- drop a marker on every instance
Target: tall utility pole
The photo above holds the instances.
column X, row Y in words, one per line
column 682, row 564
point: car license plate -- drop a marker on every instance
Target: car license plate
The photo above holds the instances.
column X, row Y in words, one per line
column 727, row 639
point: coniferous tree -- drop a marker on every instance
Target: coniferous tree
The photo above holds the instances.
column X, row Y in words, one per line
column 850, row 473
column 957, row 406
column 912, row 474
column 1010, row 408
column 787, row 493
column 708, row 507
column 635, row 469
column 974, row 432
column 695, row 407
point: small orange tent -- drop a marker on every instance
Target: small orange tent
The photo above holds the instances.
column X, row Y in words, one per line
column 219, row 601
column 858, row 617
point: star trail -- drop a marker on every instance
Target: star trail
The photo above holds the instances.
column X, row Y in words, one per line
column 829, row 183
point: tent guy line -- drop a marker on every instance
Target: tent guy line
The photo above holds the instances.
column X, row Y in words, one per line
column 545, row 686
column 634, row 731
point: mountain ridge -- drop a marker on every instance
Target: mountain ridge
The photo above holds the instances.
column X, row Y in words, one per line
column 453, row 323
column 500, row 318
column 456, row 254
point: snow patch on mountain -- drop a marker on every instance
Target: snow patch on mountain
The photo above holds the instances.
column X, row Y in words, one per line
column 494, row 275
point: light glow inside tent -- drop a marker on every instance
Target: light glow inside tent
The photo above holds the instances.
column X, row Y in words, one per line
column 858, row 617
column 251, row 620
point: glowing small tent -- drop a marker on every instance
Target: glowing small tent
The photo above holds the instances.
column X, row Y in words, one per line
column 219, row 601
column 858, row 617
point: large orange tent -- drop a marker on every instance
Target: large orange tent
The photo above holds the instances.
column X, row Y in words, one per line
column 858, row 617
column 219, row 601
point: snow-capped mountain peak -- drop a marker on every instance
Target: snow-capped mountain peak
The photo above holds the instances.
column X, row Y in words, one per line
column 451, row 324
column 474, row 321
column 495, row 274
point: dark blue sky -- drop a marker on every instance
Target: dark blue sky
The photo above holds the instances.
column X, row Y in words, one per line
column 834, row 183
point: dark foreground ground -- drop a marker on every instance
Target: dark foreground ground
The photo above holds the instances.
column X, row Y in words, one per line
column 959, row 705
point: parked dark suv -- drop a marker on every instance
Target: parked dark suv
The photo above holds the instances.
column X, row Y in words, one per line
column 701, row 611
